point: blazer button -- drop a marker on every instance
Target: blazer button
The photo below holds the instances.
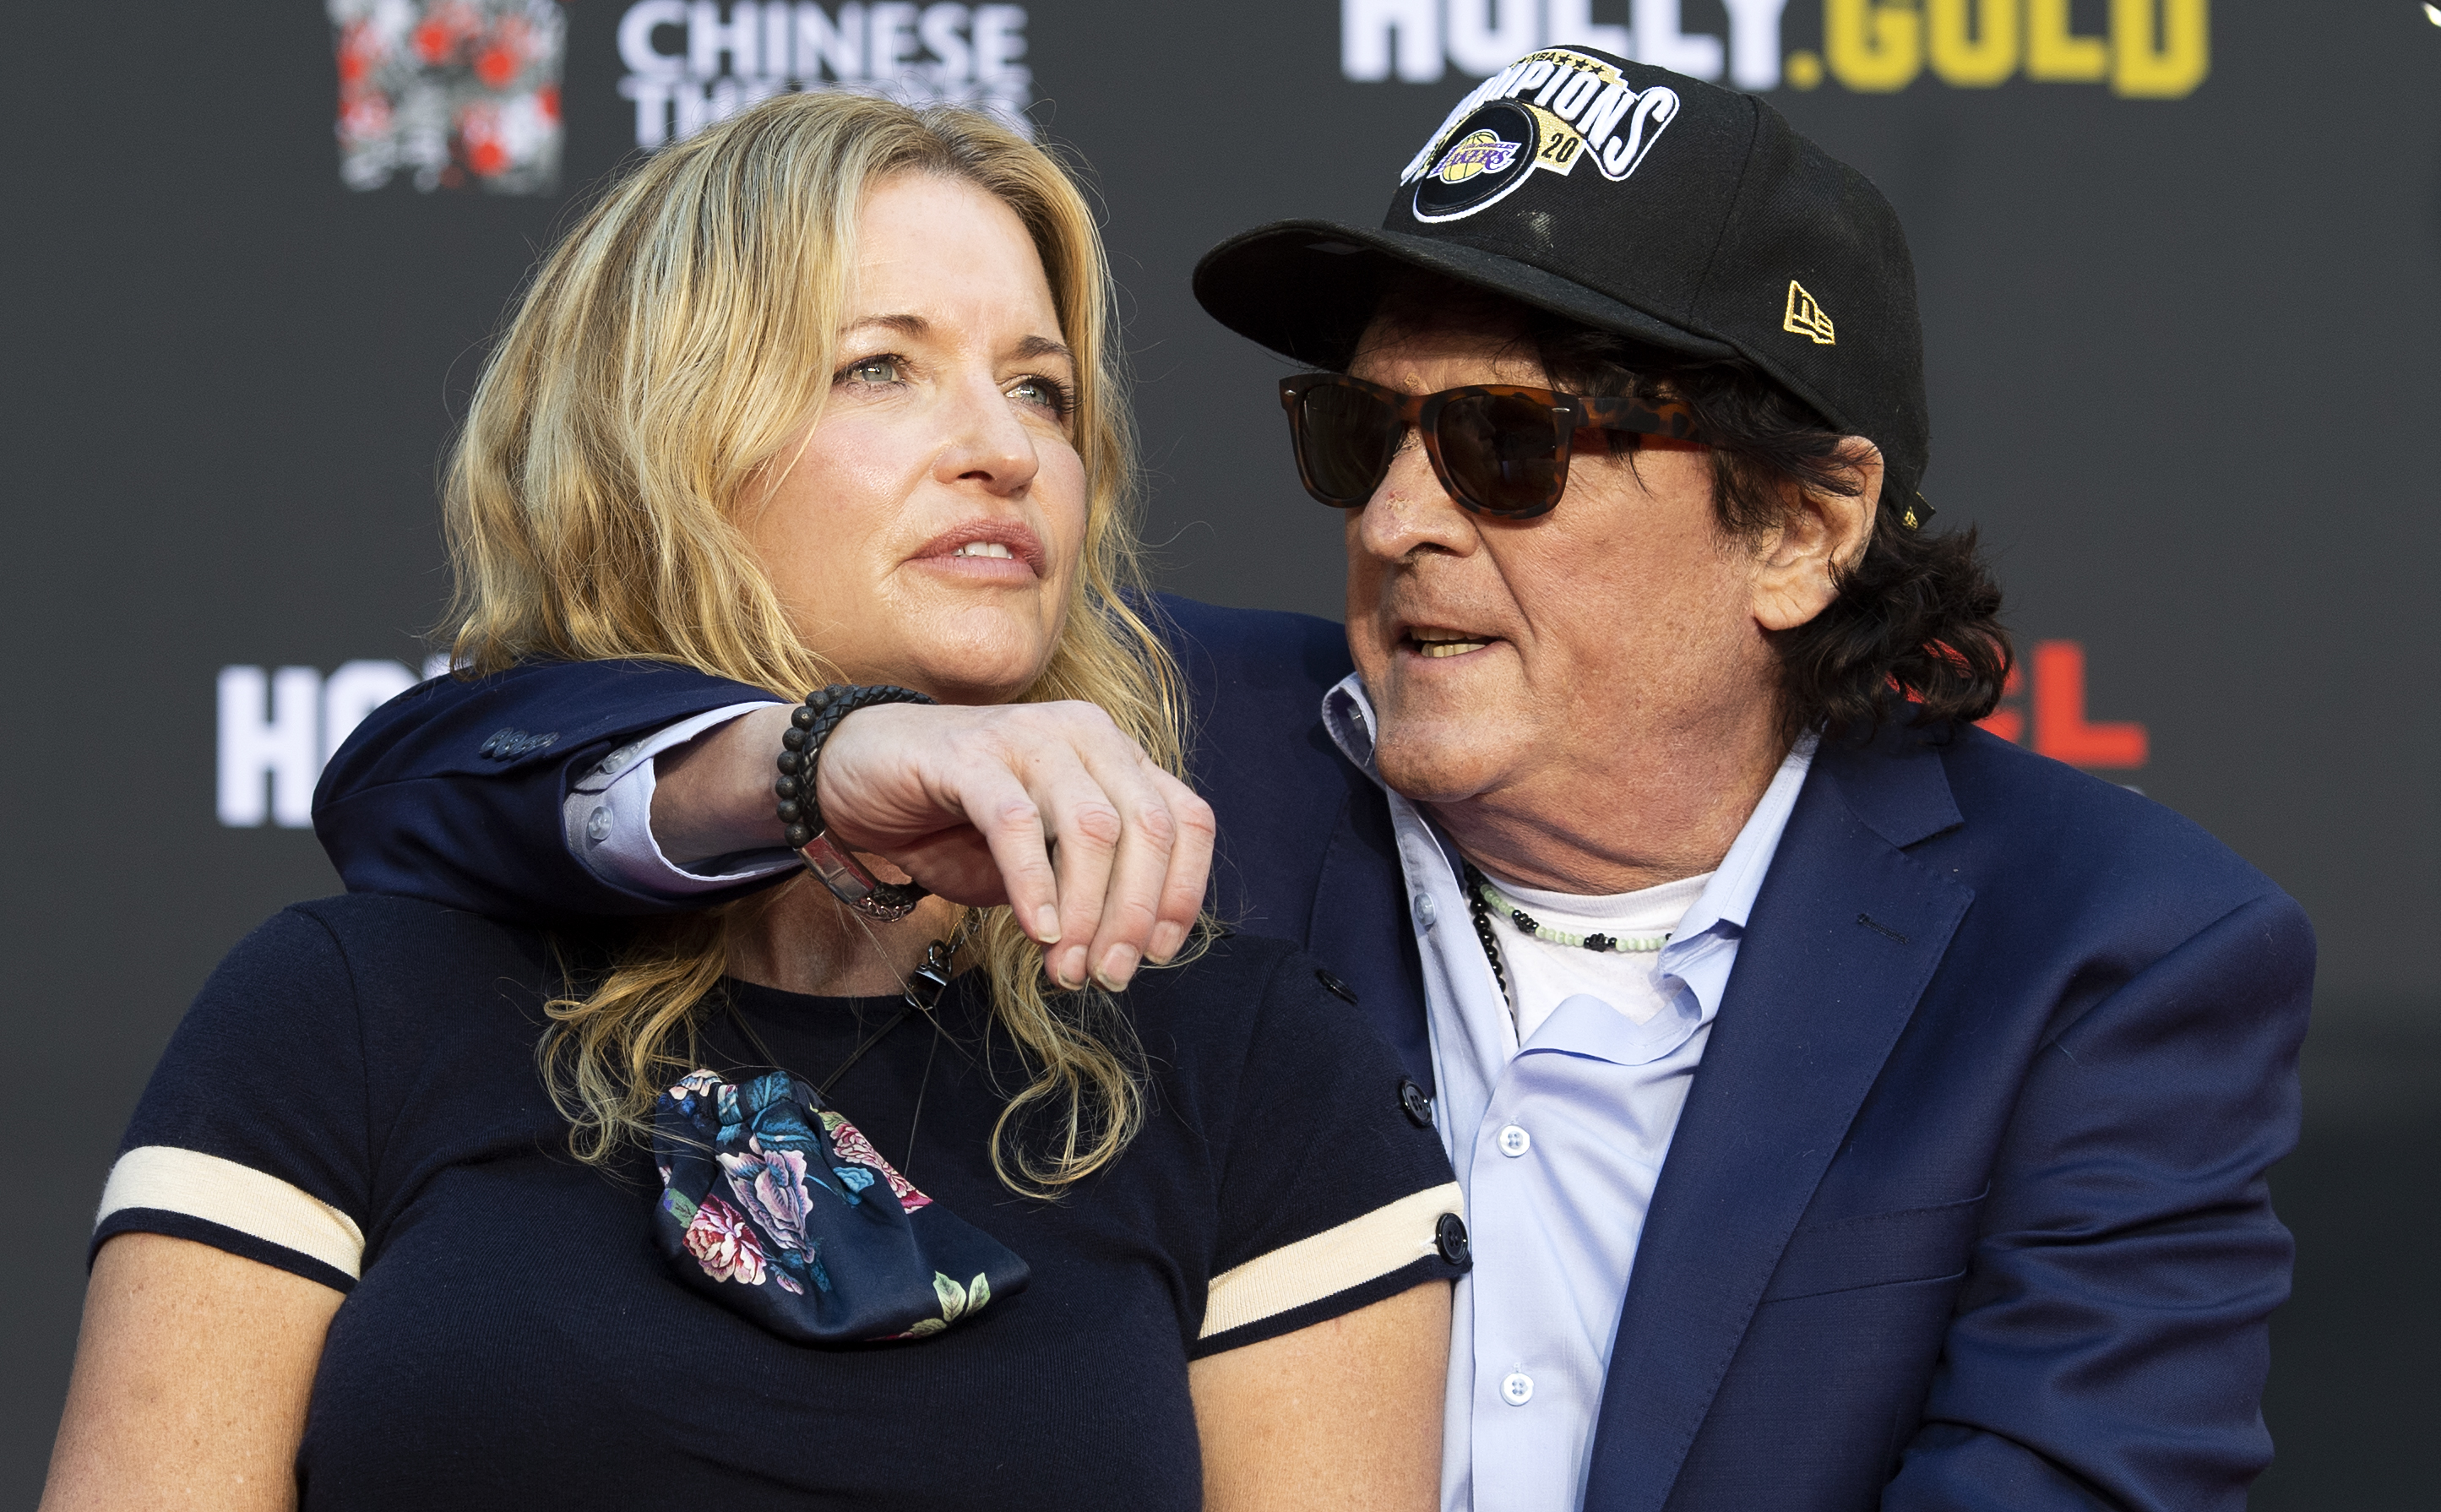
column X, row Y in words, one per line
column 1335, row 987
column 1419, row 1107
column 1449, row 1237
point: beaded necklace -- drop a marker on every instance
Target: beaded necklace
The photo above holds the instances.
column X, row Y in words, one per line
column 1482, row 897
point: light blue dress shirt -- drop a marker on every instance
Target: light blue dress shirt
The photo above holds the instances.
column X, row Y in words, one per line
column 1557, row 1143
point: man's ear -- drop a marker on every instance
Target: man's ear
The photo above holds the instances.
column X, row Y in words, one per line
column 1822, row 536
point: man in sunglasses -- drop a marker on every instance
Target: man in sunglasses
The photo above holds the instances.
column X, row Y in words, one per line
column 1855, row 1109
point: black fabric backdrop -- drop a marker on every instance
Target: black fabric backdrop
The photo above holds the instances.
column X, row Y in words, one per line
column 2179, row 352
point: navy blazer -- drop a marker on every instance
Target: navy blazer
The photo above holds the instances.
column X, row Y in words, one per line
column 1966, row 1208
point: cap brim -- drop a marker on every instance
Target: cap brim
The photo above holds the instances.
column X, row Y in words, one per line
column 1307, row 289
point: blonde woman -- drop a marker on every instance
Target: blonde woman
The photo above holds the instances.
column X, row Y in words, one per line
column 780, row 1203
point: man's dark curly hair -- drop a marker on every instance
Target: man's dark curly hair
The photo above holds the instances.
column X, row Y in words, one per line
column 1915, row 633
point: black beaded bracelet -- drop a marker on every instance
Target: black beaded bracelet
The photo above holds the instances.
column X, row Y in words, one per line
column 802, row 815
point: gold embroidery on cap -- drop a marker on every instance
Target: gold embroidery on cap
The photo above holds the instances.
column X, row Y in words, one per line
column 1807, row 319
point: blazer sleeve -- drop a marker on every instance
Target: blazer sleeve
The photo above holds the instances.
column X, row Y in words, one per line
column 452, row 791
column 2112, row 1341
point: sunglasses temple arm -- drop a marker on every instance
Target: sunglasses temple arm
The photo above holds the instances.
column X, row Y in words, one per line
column 1674, row 420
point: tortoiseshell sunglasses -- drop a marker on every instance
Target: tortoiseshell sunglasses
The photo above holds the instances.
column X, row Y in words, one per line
column 1498, row 448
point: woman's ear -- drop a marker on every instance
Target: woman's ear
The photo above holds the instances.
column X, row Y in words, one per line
column 1822, row 535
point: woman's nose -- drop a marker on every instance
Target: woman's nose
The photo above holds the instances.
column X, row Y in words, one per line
column 989, row 442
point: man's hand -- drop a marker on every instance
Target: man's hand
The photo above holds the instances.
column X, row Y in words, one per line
column 1046, row 807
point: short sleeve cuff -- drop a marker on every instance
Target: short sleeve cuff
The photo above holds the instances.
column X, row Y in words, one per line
column 189, row 1195
column 1327, row 1275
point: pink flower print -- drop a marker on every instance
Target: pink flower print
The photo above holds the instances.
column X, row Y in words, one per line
column 771, row 1189
column 850, row 1142
column 724, row 1243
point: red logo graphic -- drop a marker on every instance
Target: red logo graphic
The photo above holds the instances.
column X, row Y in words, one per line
column 2061, row 730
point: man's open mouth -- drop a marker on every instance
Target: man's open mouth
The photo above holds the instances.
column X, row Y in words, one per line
column 1438, row 643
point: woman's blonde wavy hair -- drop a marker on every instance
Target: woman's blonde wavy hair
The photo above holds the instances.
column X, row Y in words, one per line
column 668, row 347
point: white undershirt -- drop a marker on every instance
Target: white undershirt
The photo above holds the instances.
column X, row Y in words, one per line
column 1543, row 974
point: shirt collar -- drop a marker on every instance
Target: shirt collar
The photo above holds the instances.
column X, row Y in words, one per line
column 1730, row 897
column 1347, row 714
column 1717, row 917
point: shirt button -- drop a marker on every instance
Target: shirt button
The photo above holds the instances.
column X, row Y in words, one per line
column 1515, row 1142
column 1518, row 1389
column 597, row 824
column 618, row 760
column 1425, row 912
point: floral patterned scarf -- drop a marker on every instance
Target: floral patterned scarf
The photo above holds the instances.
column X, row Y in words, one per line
column 776, row 1207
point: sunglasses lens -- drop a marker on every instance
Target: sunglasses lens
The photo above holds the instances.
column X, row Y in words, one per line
column 1502, row 452
column 1348, row 438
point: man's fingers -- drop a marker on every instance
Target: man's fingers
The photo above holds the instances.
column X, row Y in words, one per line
column 1102, row 854
column 1138, row 901
column 1190, row 867
column 956, row 864
column 1087, row 828
column 998, row 805
column 1132, row 904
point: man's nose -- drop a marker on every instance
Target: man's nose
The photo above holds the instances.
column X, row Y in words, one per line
column 1411, row 512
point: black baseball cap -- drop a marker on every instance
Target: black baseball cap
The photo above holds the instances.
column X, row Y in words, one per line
column 1632, row 200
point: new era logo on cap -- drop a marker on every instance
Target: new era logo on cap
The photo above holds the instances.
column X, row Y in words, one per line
column 1805, row 318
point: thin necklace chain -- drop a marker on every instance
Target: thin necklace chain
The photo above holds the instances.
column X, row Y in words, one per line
column 938, row 957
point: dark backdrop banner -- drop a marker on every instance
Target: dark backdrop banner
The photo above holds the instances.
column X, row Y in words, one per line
column 2178, row 263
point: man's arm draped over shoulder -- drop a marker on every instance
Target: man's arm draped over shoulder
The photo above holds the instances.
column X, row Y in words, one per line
column 452, row 792
column 455, row 792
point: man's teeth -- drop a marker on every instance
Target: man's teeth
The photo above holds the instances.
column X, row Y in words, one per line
column 1449, row 648
column 990, row 549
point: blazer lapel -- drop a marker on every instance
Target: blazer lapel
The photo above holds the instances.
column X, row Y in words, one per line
column 1844, row 936
column 1359, row 929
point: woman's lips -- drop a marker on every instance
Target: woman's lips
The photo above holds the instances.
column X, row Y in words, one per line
column 1004, row 549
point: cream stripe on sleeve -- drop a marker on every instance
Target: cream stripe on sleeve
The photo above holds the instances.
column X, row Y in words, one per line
column 169, row 1180
column 1357, row 1251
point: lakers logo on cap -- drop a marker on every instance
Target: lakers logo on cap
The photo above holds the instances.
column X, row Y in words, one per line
column 1547, row 113
column 1807, row 319
column 1481, row 152
column 1489, row 153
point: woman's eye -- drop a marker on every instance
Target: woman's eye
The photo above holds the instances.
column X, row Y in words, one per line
column 871, row 370
column 1048, row 393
